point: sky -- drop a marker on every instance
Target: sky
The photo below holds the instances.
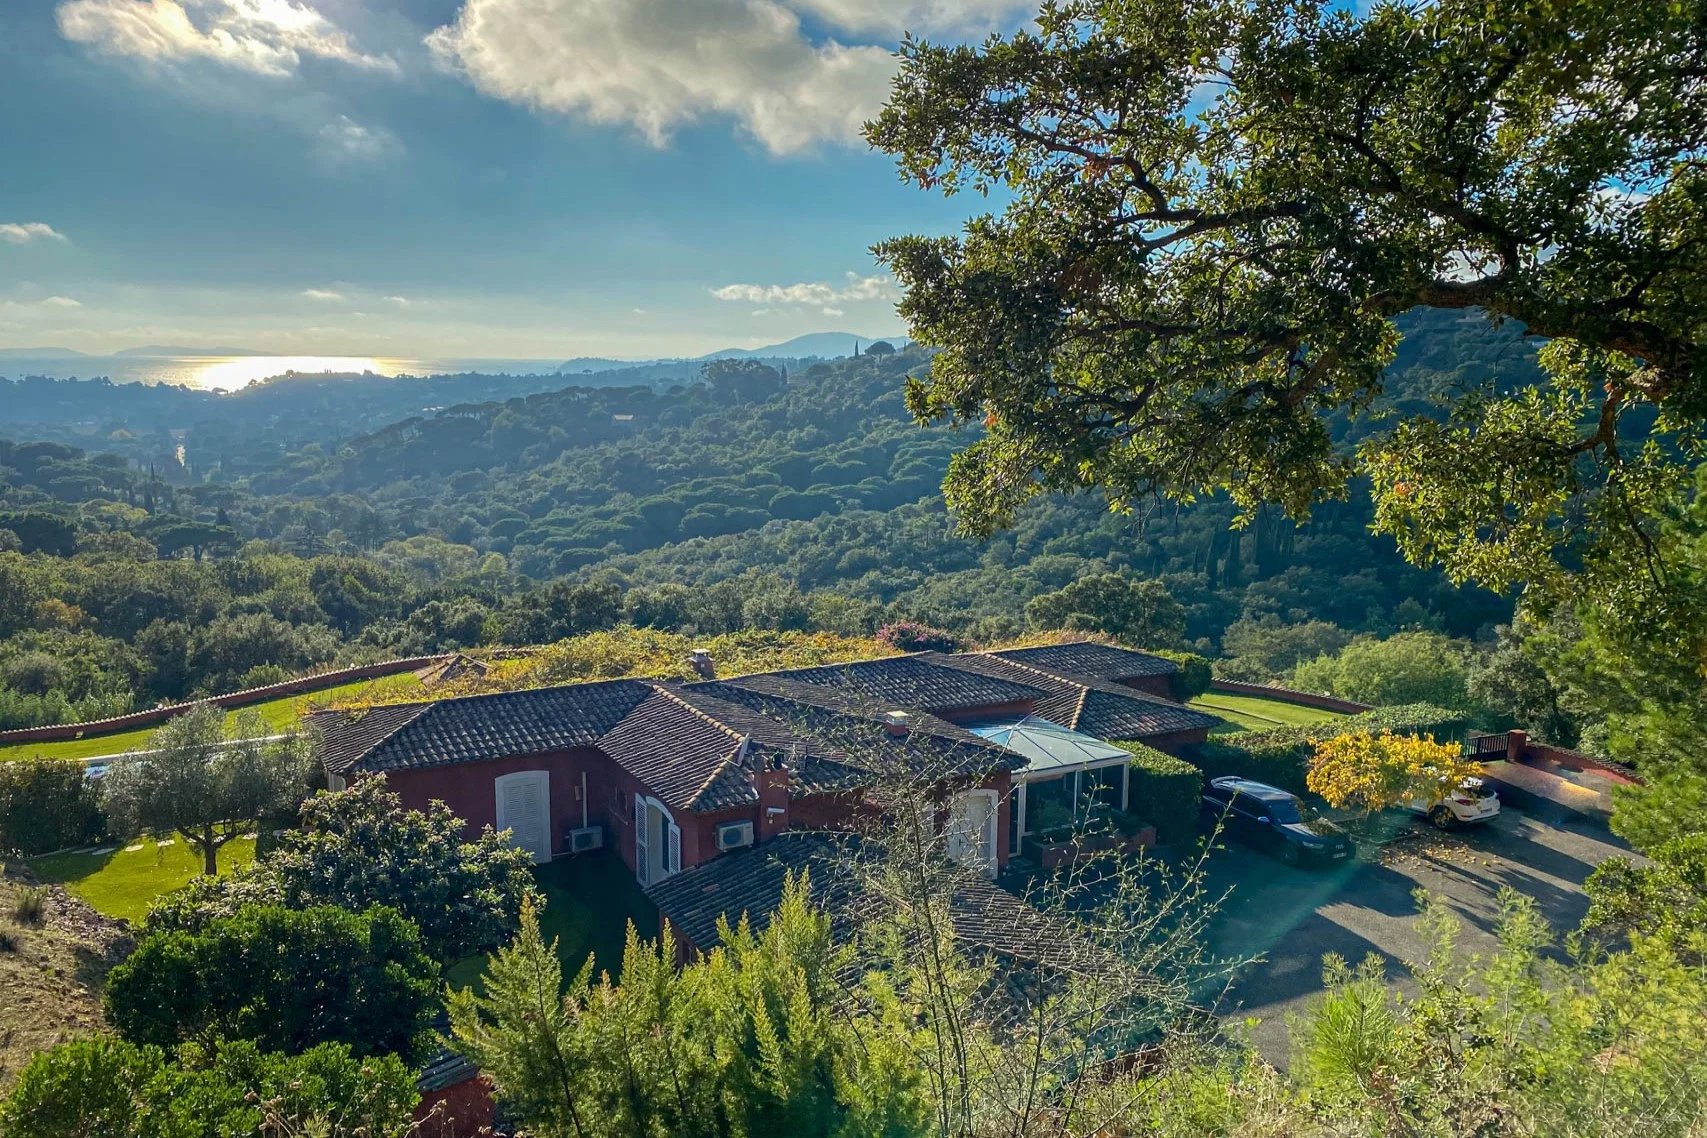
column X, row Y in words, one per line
column 454, row 178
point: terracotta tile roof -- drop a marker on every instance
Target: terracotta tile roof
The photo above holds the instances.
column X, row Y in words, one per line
column 1096, row 707
column 916, row 682
column 835, row 741
column 695, row 744
column 476, row 727
column 685, row 757
column 1088, row 659
column 750, row 882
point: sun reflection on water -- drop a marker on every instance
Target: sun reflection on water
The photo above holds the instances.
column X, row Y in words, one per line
column 227, row 373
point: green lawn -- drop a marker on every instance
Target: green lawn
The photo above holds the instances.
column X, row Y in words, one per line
column 589, row 901
column 1257, row 713
column 278, row 715
column 124, row 882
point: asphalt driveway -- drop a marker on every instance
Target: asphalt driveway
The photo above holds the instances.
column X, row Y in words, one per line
column 1292, row 917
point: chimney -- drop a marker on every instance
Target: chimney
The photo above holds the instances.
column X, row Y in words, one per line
column 895, row 723
column 701, row 663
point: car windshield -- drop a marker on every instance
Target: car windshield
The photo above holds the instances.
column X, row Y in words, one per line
column 1286, row 811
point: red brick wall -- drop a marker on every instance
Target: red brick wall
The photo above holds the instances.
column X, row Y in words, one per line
column 135, row 719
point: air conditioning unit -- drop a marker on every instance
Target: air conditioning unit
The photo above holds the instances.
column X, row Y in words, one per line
column 734, row 835
column 586, row 838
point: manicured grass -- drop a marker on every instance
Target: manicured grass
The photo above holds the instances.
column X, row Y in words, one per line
column 589, row 901
column 277, row 714
column 1256, row 713
column 124, row 882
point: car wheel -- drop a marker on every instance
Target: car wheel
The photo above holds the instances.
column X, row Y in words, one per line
column 1442, row 818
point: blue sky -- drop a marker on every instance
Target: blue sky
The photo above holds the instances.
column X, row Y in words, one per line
column 506, row 178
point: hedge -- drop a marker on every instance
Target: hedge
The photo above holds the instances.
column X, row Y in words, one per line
column 47, row 805
column 1281, row 756
column 1194, row 675
column 1164, row 791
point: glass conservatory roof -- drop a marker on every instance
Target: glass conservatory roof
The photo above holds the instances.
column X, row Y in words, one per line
column 1048, row 748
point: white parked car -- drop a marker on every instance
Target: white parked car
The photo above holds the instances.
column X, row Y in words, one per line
column 1472, row 802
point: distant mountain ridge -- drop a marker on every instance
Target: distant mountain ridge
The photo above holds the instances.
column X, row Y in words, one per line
column 167, row 350
column 819, row 345
column 41, row 354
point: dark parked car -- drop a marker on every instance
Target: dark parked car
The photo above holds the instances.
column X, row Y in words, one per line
column 1271, row 819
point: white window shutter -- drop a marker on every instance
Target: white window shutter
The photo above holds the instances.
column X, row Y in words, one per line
column 675, row 864
column 640, row 855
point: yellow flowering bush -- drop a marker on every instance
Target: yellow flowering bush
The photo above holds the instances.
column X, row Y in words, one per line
column 1364, row 771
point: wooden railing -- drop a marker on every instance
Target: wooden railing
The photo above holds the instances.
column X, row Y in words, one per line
column 1482, row 746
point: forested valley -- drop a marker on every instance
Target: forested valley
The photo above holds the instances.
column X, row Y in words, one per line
column 177, row 550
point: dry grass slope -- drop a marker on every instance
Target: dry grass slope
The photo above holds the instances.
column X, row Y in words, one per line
column 50, row 973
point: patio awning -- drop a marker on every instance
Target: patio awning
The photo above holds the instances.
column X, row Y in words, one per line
column 1048, row 748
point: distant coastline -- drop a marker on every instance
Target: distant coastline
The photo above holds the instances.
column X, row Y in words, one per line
column 234, row 371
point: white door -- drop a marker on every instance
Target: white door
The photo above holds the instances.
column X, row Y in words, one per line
column 642, row 854
column 524, row 809
column 971, row 833
column 657, row 842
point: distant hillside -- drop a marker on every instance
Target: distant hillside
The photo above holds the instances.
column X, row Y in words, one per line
column 41, row 354
column 813, row 345
column 169, row 350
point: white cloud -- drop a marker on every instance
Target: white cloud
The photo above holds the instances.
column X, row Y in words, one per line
column 660, row 64
column 820, row 295
column 345, row 138
column 269, row 37
column 399, row 301
column 896, row 16
column 24, row 232
column 325, row 294
column 38, row 307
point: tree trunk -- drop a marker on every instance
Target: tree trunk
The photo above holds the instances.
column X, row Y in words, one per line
column 209, row 847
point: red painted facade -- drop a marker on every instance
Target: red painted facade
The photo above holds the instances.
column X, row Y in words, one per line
column 461, row 1111
column 1177, row 743
column 1162, row 685
column 587, row 787
column 469, row 790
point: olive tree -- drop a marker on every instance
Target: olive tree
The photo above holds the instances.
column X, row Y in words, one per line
column 206, row 781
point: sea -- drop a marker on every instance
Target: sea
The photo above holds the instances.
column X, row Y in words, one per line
column 228, row 373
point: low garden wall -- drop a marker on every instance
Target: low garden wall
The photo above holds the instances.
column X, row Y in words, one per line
column 60, row 732
column 1288, row 695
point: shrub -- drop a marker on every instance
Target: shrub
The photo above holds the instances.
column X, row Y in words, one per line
column 8, row 939
column 1164, row 791
column 911, row 636
column 28, row 906
column 107, row 1086
column 1254, row 755
column 359, row 848
column 1281, row 756
column 1194, row 675
column 1406, row 667
column 46, row 805
column 286, row 979
column 1372, row 772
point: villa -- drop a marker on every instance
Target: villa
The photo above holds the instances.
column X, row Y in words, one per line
column 673, row 775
